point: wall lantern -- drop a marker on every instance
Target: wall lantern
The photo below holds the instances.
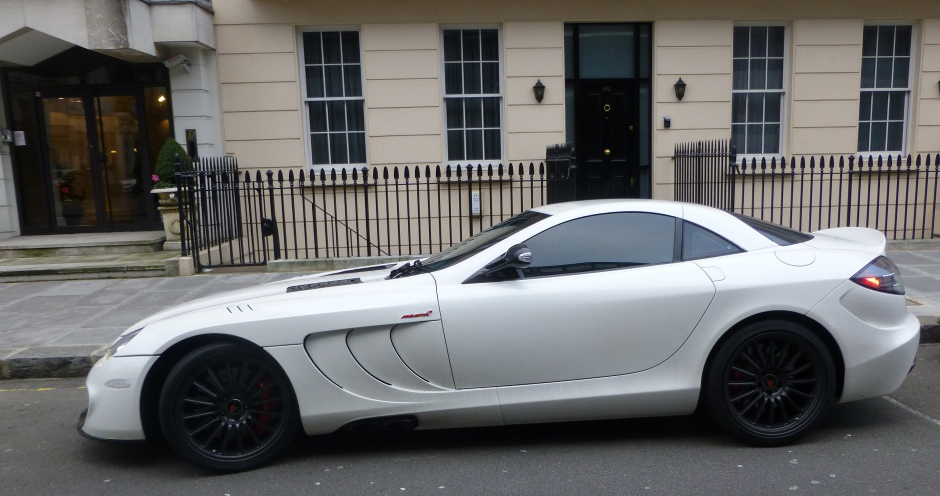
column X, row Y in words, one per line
column 680, row 89
column 539, row 90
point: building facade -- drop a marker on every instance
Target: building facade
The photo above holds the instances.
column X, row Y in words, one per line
column 446, row 82
column 90, row 91
column 312, row 84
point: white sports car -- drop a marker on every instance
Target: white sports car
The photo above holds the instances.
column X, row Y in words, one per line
column 584, row 310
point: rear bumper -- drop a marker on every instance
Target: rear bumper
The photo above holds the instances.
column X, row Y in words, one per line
column 877, row 336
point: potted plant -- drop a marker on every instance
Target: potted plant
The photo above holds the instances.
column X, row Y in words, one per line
column 71, row 197
column 165, row 186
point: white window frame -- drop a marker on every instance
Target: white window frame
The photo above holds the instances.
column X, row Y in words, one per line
column 908, row 97
column 784, row 91
column 308, row 145
column 500, row 95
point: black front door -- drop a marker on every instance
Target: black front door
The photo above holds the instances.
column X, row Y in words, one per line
column 607, row 148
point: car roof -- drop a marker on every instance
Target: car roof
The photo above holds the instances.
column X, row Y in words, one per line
column 711, row 218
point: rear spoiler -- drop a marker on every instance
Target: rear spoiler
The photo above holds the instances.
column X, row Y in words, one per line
column 859, row 238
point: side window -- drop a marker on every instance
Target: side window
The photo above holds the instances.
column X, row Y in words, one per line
column 601, row 242
column 698, row 242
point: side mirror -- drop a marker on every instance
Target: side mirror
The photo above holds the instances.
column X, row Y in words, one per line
column 516, row 257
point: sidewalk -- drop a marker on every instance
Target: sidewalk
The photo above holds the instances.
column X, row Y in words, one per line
column 59, row 329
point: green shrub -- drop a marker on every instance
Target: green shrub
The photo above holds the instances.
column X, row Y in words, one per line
column 165, row 169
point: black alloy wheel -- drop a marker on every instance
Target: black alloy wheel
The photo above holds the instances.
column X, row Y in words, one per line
column 771, row 383
column 228, row 407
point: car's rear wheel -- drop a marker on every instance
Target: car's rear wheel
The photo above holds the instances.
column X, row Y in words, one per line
column 227, row 407
column 771, row 382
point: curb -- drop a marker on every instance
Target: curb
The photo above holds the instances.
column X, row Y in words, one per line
column 49, row 362
column 76, row 361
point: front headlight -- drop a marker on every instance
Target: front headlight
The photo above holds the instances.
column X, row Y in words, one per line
column 120, row 343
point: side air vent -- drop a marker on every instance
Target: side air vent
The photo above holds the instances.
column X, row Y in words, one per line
column 321, row 285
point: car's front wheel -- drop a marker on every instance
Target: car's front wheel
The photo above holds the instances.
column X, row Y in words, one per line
column 227, row 407
column 771, row 382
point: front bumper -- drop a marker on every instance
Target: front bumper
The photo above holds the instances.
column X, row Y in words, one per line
column 114, row 388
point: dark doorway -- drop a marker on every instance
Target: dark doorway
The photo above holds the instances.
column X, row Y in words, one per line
column 608, row 165
column 608, row 104
column 92, row 132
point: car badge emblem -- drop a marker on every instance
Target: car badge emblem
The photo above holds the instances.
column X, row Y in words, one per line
column 770, row 382
column 417, row 315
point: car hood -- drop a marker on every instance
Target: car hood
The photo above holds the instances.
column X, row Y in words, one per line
column 279, row 313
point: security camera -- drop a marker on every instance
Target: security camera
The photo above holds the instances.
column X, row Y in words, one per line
column 180, row 59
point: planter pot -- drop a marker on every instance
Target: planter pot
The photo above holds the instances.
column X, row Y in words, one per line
column 72, row 212
column 170, row 212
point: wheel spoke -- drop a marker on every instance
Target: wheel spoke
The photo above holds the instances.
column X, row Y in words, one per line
column 205, row 389
column 750, row 360
column 199, row 415
column 266, row 413
column 783, row 354
column 749, row 406
column 199, row 402
column 795, row 406
column 254, row 380
column 259, row 423
column 802, row 381
column 761, row 357
column 799, row 370
column 225, row 437
column 202, row 427
column 230, row 384
column 262, row 390
column 742, row 396
column 240, row 437
column 739, row 369
column 798, row 392
column 213, row 435
column 215, row 380
column 266, row 401
column 792, row 362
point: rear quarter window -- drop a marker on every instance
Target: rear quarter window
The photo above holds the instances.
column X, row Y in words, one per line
column 778, row 234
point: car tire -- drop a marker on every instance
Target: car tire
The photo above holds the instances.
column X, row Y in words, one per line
column 227, row 408
column 771, row 383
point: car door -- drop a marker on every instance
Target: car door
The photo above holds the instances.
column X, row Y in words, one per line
column 602, row 297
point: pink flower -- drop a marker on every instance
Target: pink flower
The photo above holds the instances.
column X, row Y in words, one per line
column 155, row 178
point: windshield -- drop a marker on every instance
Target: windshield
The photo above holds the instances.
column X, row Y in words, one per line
column 481, row 241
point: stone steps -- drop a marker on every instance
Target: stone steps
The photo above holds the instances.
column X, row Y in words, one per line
column 82, row 244
column 86, row 256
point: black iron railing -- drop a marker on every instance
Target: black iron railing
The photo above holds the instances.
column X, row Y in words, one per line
column 896, row 195
column 388, row 211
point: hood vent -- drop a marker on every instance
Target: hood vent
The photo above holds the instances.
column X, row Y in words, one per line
column 243, row 308
column 325, row 284
column 365, row 269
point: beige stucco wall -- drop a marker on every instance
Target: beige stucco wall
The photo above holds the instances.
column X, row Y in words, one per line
column 261, row 95
column 927, row 130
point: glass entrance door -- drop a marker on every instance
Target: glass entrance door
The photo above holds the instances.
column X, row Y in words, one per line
column 68, row 155
column 119, row 160
column 96, row 162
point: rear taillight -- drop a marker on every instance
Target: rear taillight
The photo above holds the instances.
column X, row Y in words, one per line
column 881, row 275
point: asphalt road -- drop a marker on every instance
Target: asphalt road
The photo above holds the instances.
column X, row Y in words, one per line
column 888, row 445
